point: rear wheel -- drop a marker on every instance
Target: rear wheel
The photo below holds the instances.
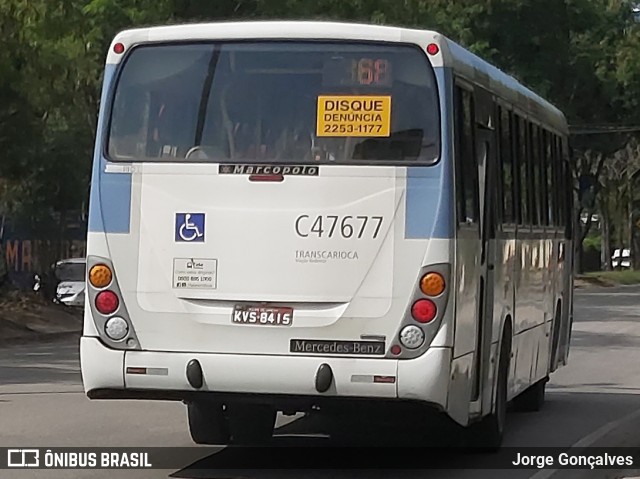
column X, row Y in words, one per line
column 251, row 424
column 353, row 428
column 207, row 423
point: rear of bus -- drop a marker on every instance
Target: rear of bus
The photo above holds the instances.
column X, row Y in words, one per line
column 270, row 220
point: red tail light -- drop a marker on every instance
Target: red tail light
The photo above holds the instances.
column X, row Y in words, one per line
column 424, row 310
column 107, row 302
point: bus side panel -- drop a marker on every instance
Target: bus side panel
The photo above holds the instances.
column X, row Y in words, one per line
column 567, row 303
column 565, row 340
column 550, row 293
column 460, row 388
column 467, row 244
column 503, row 296
column 526, row 309
column 466, row 284
column 544, row 293
column 465, row 251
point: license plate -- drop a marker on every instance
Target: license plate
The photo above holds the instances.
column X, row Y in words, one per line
column 365, row 348
column 262, row 315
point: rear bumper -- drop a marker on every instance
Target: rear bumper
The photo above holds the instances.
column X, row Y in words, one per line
column 277, row 379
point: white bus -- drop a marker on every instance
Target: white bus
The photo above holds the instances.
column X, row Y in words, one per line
column 292, row 216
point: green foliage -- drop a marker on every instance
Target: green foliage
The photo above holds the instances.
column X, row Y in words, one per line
column 50, row 74
column 592, row 242
column 615, row 277
column 584, row 55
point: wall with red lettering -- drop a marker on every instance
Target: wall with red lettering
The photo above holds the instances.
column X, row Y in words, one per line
column 25, row 255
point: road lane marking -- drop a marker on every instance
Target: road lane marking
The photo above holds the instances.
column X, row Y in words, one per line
column 589, row 439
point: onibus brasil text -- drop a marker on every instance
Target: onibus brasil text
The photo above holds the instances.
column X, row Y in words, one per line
column 109, row 460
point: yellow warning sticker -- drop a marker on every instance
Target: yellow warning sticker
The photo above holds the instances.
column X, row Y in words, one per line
column 354, row 116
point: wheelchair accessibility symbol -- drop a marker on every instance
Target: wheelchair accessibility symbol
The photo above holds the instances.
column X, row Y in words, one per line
column 190, row 227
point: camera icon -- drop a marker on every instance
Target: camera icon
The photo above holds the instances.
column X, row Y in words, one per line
column 23, row 458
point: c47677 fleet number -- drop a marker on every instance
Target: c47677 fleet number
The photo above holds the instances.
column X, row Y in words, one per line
column 330, row 226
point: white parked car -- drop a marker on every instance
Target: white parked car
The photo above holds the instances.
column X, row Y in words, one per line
column 71, row 276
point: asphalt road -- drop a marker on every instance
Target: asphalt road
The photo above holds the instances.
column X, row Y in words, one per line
column 591, row 402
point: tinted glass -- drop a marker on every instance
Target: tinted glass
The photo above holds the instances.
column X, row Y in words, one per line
column 276, row 102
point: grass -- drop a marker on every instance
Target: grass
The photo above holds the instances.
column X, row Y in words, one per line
column 611, row 278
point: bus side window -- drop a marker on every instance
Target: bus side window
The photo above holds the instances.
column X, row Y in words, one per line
column 129, row 124
column 523, row 177
column 538, row 188
column 466, row 161
column 506, row 161
column 548, row 173
column 531, row 185
column 542, row 169
column 557, row 161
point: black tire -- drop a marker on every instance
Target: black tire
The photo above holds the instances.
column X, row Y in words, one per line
column 353, row 428
column 343, row 433
column 556, row 338
column 251, row 424
column 487, row 434
column 207, row 423
column 532, row 399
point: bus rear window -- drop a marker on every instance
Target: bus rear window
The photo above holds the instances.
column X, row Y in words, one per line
column 276, row 102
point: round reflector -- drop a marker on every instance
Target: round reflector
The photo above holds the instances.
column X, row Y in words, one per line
column 116, row 328
column 432, row 284
column 423, row 310
column 100, row 276
column 433, row 49
column 395, row 349
column 107, row 302
column 412, row 337
column 118, row 48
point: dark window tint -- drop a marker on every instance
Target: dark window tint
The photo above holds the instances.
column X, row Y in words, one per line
column 70, row 271
column 466, row 162
column 261, row 102
column 506, row 164
column 523, row 167
column 534, row 169
column 548, row 169
column 561, row 184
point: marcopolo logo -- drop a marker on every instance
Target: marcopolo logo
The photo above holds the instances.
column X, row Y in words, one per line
column 284, row 170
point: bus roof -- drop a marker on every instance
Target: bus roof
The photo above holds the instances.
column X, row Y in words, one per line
column 466, row 64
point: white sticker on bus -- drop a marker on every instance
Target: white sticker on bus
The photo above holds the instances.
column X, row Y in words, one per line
column 194, row 273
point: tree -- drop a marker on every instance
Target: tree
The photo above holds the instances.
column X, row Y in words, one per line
column 583, row 55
